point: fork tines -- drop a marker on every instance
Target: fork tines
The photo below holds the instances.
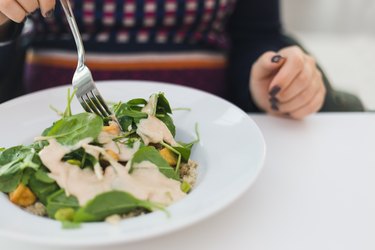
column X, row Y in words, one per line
column 94, row 103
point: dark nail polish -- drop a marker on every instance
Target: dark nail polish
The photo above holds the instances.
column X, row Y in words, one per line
column 274, row 107
column 273, row 100
column 276, row 59
column 276, row 89
column 49, row 13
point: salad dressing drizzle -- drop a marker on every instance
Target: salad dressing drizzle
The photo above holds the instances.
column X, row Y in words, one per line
column 152, row 130
column 145, row 182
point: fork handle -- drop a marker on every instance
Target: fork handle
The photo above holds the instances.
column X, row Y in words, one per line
column 74, row 28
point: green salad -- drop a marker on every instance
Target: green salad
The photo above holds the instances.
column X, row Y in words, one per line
column 84, row 168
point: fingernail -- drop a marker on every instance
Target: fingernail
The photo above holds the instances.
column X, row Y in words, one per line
column 274, row 107
column 276, row 59
column 49, row 14
column 273, row 100
column 32, row 13
column 276, row 89
column 287, row 114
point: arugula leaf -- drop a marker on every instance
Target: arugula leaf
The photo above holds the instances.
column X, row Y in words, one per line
column 150, row 154
column 2, row 149
column 109, row 203
column 70, row 130
column 59, row 200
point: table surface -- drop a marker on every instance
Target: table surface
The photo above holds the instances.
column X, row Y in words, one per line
column 316, row 191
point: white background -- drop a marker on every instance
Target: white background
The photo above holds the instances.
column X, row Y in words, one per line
column 341, row 35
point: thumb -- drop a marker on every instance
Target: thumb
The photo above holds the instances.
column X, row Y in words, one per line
column 267, row 65
column 3, row 19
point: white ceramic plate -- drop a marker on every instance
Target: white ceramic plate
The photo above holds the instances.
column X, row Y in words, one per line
column 230, row 156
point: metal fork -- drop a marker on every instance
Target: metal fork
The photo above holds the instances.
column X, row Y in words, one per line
column 86, row 91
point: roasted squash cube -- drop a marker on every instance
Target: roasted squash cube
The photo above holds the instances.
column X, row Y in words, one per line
column 22, row 196
column 169, row 156
column 112, row 128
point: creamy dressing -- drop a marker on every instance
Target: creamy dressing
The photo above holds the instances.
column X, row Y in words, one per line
column 145, row 182
column 150, row 107
column 153, row 130
column 124, row 152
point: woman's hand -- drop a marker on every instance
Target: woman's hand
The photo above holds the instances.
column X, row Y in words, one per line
column 287, row 83
column 17, row 10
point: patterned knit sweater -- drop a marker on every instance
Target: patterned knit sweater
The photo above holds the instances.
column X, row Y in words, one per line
column 177, row 41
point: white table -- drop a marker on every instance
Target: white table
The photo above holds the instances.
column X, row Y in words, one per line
column 316, row 191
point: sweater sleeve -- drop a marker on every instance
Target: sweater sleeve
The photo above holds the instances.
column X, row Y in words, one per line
column 11, row 63
column 254, row 28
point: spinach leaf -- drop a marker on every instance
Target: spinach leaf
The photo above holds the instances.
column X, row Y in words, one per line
column 168, row 122
column 18, row 158
column 84, row 159
column 70, row 130
column 59, row 200
column 42, row 187
column 150, row 154
column 125, row 122
column 109, row 203
column 16, row 165
column 9, row 183
column 42, row 175
column 128, row 114
column 137, row 102
column 39, row 145
column 132, row 113
column 26, row 174
column 163, row 105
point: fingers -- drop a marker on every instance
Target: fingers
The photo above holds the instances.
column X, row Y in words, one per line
column 290, row 85
column 3, row 19
column 314, row 105
column 18, row 10
column 301, row 82
column 47, row 7
column 29, row 6
column 267, row 64
column 297, row 89
column 293, row 65
column 12, row 10
column 303, row 97
column 262, row 72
